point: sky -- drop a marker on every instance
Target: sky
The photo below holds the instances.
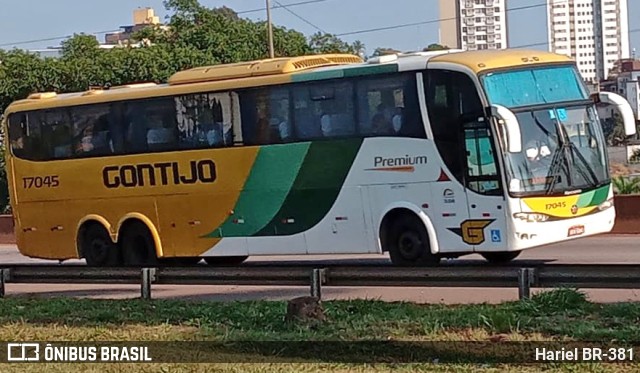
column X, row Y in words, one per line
column 28, row 20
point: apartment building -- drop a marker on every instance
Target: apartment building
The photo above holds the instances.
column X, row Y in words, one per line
column 593, row 32
column 142, row 17
column 473, row 24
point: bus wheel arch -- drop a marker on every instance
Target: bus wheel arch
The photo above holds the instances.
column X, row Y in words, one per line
column 95, row 244
column 404, row 224
column 138, row 241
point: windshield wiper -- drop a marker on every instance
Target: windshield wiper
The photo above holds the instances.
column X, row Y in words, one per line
column 556, row 163
column 592, row 175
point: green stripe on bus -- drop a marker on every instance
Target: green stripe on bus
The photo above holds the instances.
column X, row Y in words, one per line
column 319, row 75
column 316, row 188
column 371, row 70
column 265, row 190
column 594, row 197
column 600, row 195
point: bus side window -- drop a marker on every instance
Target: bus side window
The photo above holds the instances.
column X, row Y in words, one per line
column 482, row 172
column 461, row 133
column 325, row 110
column 266, row 116
column 388, row 106
column 90, row 132
column 444, row 116
column 482, row 175
column 18, row 135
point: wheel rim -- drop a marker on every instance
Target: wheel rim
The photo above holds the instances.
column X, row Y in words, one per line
column 409, row 245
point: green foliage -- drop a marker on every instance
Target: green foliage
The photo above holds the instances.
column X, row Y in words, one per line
column 625, row 185
column 384, row 51
column 329, row 43
column 561, row 313
column 559, row 301
column 194, row 36
column 435, row 47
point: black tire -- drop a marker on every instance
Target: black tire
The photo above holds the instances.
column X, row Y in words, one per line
column 225, row 260
column 137, row 245
column 408, row 243
column 502, row 257
column 97, row 248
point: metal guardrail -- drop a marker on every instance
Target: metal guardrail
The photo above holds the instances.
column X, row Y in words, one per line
column 586, row 276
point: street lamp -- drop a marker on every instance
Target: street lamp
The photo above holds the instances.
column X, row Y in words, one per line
column 269, row 29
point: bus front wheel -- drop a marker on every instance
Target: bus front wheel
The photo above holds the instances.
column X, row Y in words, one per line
column 500, row 257
column 138, row 246
column 408, row 243
column 97, row 247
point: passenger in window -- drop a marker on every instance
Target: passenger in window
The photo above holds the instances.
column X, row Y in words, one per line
column 137, row 128
column 381, row 123
column 85, row 144
column 61, row 141
column 325, row 125
column 398, row 120
column 17, row 136
column 215, row 135
column 284, row 130
column 262, row 126
column 282, row 122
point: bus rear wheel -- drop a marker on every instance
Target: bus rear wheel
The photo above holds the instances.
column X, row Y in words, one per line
column 97, row 247
column 500, row 257
column 137, row 244
column 225, row 260
column 408, row 243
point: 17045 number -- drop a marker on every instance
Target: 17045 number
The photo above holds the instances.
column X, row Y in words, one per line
column 40, row 182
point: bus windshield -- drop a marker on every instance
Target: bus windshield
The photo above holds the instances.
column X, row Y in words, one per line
column 563, row 147
column 538, row 86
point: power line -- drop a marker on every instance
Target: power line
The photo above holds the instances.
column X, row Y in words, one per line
column 108, row 31
column 282, row 6
column 404, row 25
column 547, row 43
column 53, row 38
column 285, row 7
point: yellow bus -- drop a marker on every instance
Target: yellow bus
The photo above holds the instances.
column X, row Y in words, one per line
column 423, row 156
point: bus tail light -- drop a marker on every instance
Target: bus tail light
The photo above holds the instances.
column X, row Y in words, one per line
column 531, row 217
column 606, row 204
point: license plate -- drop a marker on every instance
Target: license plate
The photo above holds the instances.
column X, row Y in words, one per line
column 576, row 230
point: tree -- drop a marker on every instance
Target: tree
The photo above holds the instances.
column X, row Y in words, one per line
column 384, row 52
column 80, row 46
column 220, row 34
column 329, row 43
column 435, row 47
column 194, row 36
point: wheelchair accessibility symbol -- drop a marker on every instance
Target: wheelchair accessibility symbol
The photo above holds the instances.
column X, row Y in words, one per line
column 495, row 235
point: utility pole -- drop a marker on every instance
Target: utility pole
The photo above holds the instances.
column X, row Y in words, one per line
column 269, row 29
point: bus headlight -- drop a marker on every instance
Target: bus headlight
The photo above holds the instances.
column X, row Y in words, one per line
column 531, row 217
column 606, row 204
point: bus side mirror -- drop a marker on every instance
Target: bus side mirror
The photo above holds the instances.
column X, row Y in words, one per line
column 621, row 105
column 507, row 119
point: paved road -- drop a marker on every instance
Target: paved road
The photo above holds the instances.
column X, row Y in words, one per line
column 602, row 249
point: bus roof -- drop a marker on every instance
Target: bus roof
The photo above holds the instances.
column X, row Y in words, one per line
column 486, row 60
column 285, row 70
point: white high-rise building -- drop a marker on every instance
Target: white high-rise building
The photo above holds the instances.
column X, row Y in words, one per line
column 593, row 32
column 473, row 24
